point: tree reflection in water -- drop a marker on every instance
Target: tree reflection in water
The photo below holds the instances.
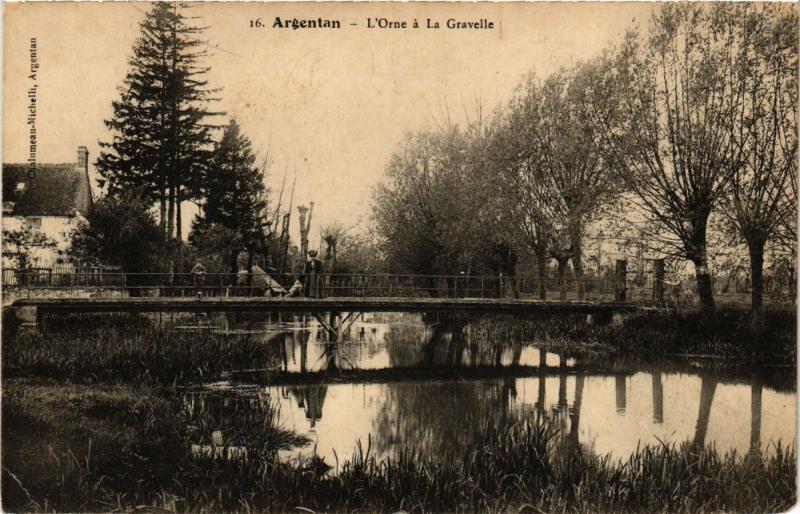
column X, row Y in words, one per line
column 755, row 415
column 434, row 416
column 447, row 417
column 658, row 398
column 708, row 385
column 621, row 394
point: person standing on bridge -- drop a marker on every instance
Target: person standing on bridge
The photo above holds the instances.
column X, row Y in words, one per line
column 199, row 277
column 312, row 274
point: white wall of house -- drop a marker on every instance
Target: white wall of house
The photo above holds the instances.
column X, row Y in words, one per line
column 56, row 228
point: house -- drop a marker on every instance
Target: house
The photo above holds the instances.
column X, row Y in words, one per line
column 50, row 199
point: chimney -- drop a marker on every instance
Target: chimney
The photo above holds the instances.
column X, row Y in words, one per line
column 83, row 158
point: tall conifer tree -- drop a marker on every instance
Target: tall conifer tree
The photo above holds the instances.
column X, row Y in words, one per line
column 235, row 193
column 160, row 131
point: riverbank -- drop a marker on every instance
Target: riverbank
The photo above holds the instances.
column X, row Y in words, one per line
column 70, row 447
column 125, row 349
column 770, row 338
column 93, row 421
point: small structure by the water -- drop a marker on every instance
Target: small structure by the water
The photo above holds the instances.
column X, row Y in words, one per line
column 218, row 450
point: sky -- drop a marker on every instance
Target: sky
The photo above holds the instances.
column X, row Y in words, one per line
column 327, row 105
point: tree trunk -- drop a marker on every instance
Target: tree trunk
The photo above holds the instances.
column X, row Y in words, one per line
column 698, row 255
column 704, row 291
column 514, row 283
column 234, row 266
column 171, row 214
column 162, row 220
column 756, row 249
column 541, row 265
column 451, row 286
column 577, row 266
column 178, row 231
column 429, row 283
column 562, row 272
column 178, row 217
column 249, row 268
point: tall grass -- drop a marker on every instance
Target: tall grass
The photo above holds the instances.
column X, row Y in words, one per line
column 519, row 467
column 126, row 353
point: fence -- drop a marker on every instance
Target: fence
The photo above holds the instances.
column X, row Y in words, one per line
column 85, row 277
column 619, row 287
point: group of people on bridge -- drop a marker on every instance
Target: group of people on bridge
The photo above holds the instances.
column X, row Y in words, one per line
column 309, row 284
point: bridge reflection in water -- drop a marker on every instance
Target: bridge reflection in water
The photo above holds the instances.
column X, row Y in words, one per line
column 606, row 412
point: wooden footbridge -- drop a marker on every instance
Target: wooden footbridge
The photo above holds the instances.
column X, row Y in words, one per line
column 43, row 295
column 334, row 314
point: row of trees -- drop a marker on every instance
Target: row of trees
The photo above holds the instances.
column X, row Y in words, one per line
column 162, row 151
column 690, row 124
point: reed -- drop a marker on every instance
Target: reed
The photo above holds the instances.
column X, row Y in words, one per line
column 132, row 353
column 522, row 468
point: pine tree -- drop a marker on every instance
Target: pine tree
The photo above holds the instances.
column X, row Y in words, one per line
column 235, row 194
column 160, row 133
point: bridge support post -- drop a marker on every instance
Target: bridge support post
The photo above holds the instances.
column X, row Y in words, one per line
column 658, row 282
column 620, row 281
column 335, row 330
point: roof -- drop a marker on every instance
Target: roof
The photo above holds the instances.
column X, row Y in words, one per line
column 54, row 189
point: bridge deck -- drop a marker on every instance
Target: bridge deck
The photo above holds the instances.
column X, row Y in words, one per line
column 332, row 304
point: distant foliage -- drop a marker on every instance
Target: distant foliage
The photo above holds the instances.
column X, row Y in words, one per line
column 19, row 246
column 120, row 231
column 433, row 211
column 235, row 213
column 681, row 140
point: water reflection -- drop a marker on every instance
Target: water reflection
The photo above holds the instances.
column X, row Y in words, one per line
column 707, row 387
column 755, row 415
column 658, row 398
column 311, row 399
column 303, row 346
column 611, row 411
column 621, row 395
column 436, row 416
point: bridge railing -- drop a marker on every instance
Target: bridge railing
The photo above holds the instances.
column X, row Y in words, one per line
column 242, row 284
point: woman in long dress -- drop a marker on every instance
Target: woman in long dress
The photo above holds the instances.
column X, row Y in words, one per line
column 312, row 272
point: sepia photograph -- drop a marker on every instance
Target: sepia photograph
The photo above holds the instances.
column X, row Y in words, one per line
column 305, row 257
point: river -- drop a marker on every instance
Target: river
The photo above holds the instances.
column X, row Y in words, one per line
column 605, row 407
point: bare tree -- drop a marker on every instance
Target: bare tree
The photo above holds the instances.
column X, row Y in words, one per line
column 332, row 234
column 558, row 173
column 520, row 218
column 761, row 196
column 664, row 116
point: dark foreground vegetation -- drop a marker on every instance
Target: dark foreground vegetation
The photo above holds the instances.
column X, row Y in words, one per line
column 81, row 448
column 110, row 428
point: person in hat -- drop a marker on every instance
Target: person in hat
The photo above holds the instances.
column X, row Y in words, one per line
column 312, row 273
column 199, row 277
